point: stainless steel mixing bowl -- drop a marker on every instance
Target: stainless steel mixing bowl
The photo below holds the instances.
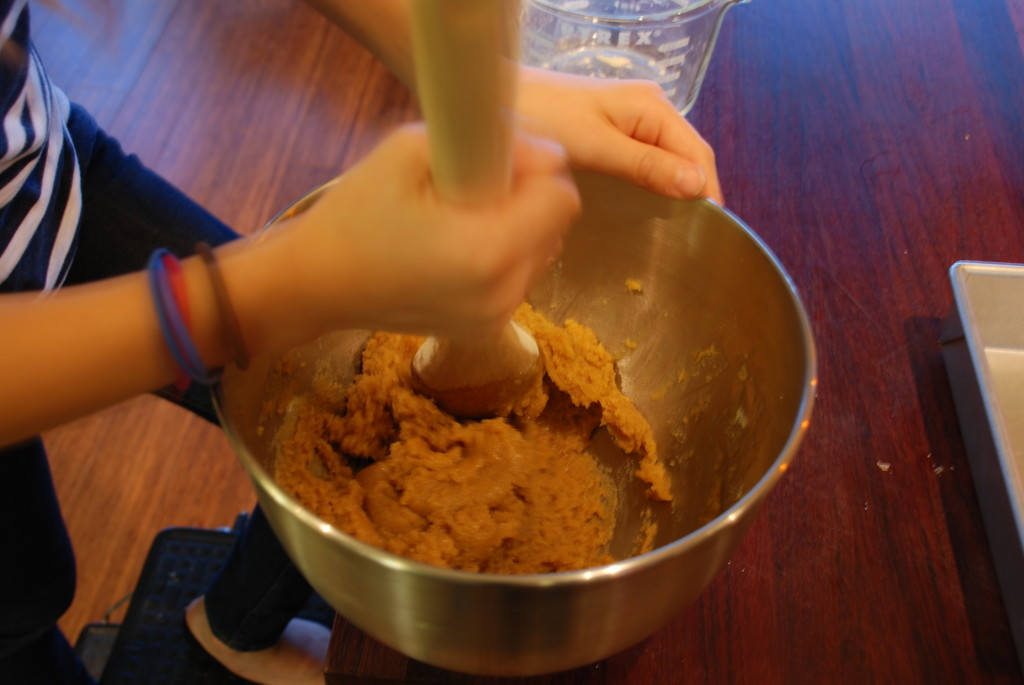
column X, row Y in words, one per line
column 717, row 353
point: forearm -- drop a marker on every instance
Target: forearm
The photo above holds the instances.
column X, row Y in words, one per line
column 66, row 354
column 381, row 26
column 77, row 350
column 365, row 255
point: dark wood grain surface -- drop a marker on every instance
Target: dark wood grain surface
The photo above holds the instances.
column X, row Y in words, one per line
column 871, row 144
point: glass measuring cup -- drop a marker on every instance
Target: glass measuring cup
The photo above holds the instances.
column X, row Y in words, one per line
column 666, row 41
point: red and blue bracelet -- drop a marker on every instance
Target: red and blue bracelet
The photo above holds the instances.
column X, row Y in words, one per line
column 170, row 298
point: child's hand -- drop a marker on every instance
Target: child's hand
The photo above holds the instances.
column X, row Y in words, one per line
column 623, row 128
column 380, row 249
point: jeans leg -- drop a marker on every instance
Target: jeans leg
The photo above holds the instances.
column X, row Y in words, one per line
column 37, row 577
column 257, row 592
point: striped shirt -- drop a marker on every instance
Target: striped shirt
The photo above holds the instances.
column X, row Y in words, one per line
column 40, row 184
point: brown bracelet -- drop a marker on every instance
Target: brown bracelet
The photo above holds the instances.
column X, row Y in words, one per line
column 231, row 328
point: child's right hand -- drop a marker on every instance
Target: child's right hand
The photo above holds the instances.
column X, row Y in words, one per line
column 380, row 249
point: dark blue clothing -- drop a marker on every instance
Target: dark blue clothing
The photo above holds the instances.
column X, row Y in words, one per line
column 258, row 591
column 37, row 576
column 128, row 211
column 40, row 195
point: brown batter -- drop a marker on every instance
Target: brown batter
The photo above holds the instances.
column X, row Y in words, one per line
column 515, row 495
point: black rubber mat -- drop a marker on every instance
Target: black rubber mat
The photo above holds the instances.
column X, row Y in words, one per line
column 153, row 646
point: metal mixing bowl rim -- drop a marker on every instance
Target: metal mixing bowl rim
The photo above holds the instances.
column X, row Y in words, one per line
column 731, row 516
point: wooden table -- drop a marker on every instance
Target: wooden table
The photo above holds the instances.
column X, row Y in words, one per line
column 871, row 144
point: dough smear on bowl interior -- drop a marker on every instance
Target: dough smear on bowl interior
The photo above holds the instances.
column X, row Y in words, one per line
column 504, row 495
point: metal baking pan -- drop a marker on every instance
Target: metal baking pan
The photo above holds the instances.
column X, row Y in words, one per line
column 983, row 348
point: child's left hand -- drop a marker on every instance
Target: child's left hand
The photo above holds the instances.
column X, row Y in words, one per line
column 623, row 128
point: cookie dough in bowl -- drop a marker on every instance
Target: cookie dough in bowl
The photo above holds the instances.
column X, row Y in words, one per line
column 520, row 494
